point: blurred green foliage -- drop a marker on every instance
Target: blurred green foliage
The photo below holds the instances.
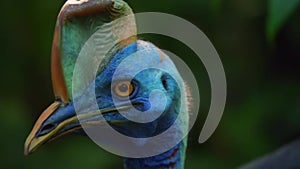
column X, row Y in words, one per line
column 262, row 110
column 278, row 13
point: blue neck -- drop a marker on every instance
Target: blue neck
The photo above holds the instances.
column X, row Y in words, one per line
column 173, row 158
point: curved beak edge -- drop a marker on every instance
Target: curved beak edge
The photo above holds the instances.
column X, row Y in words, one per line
column 33, row 142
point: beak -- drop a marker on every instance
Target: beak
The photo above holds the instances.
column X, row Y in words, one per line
column 54, row 118
column 60, row 119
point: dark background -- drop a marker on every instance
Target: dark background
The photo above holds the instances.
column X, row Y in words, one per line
column 258, row 42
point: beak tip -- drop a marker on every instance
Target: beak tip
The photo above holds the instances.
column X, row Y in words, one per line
column 26, row 153
column 27, row 150
column 32, row 142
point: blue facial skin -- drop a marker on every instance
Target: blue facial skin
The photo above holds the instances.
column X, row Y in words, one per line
column 145, row 82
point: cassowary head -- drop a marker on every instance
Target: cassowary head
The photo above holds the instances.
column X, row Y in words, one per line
column 133, row 77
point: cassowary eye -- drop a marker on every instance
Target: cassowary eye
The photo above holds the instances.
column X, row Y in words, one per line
column 124, row 88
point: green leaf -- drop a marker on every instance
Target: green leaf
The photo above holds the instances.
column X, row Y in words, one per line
column 278, row 13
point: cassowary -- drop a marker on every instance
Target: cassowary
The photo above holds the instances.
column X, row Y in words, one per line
column 77, row 22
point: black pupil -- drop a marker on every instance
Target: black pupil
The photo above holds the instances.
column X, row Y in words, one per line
column 123, row 88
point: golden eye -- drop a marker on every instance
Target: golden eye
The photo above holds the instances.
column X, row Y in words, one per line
column 124, row 88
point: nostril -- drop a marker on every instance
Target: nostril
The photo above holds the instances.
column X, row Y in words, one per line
column 46, row 129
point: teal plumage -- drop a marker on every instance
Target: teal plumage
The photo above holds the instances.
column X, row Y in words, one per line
column 59, row 119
